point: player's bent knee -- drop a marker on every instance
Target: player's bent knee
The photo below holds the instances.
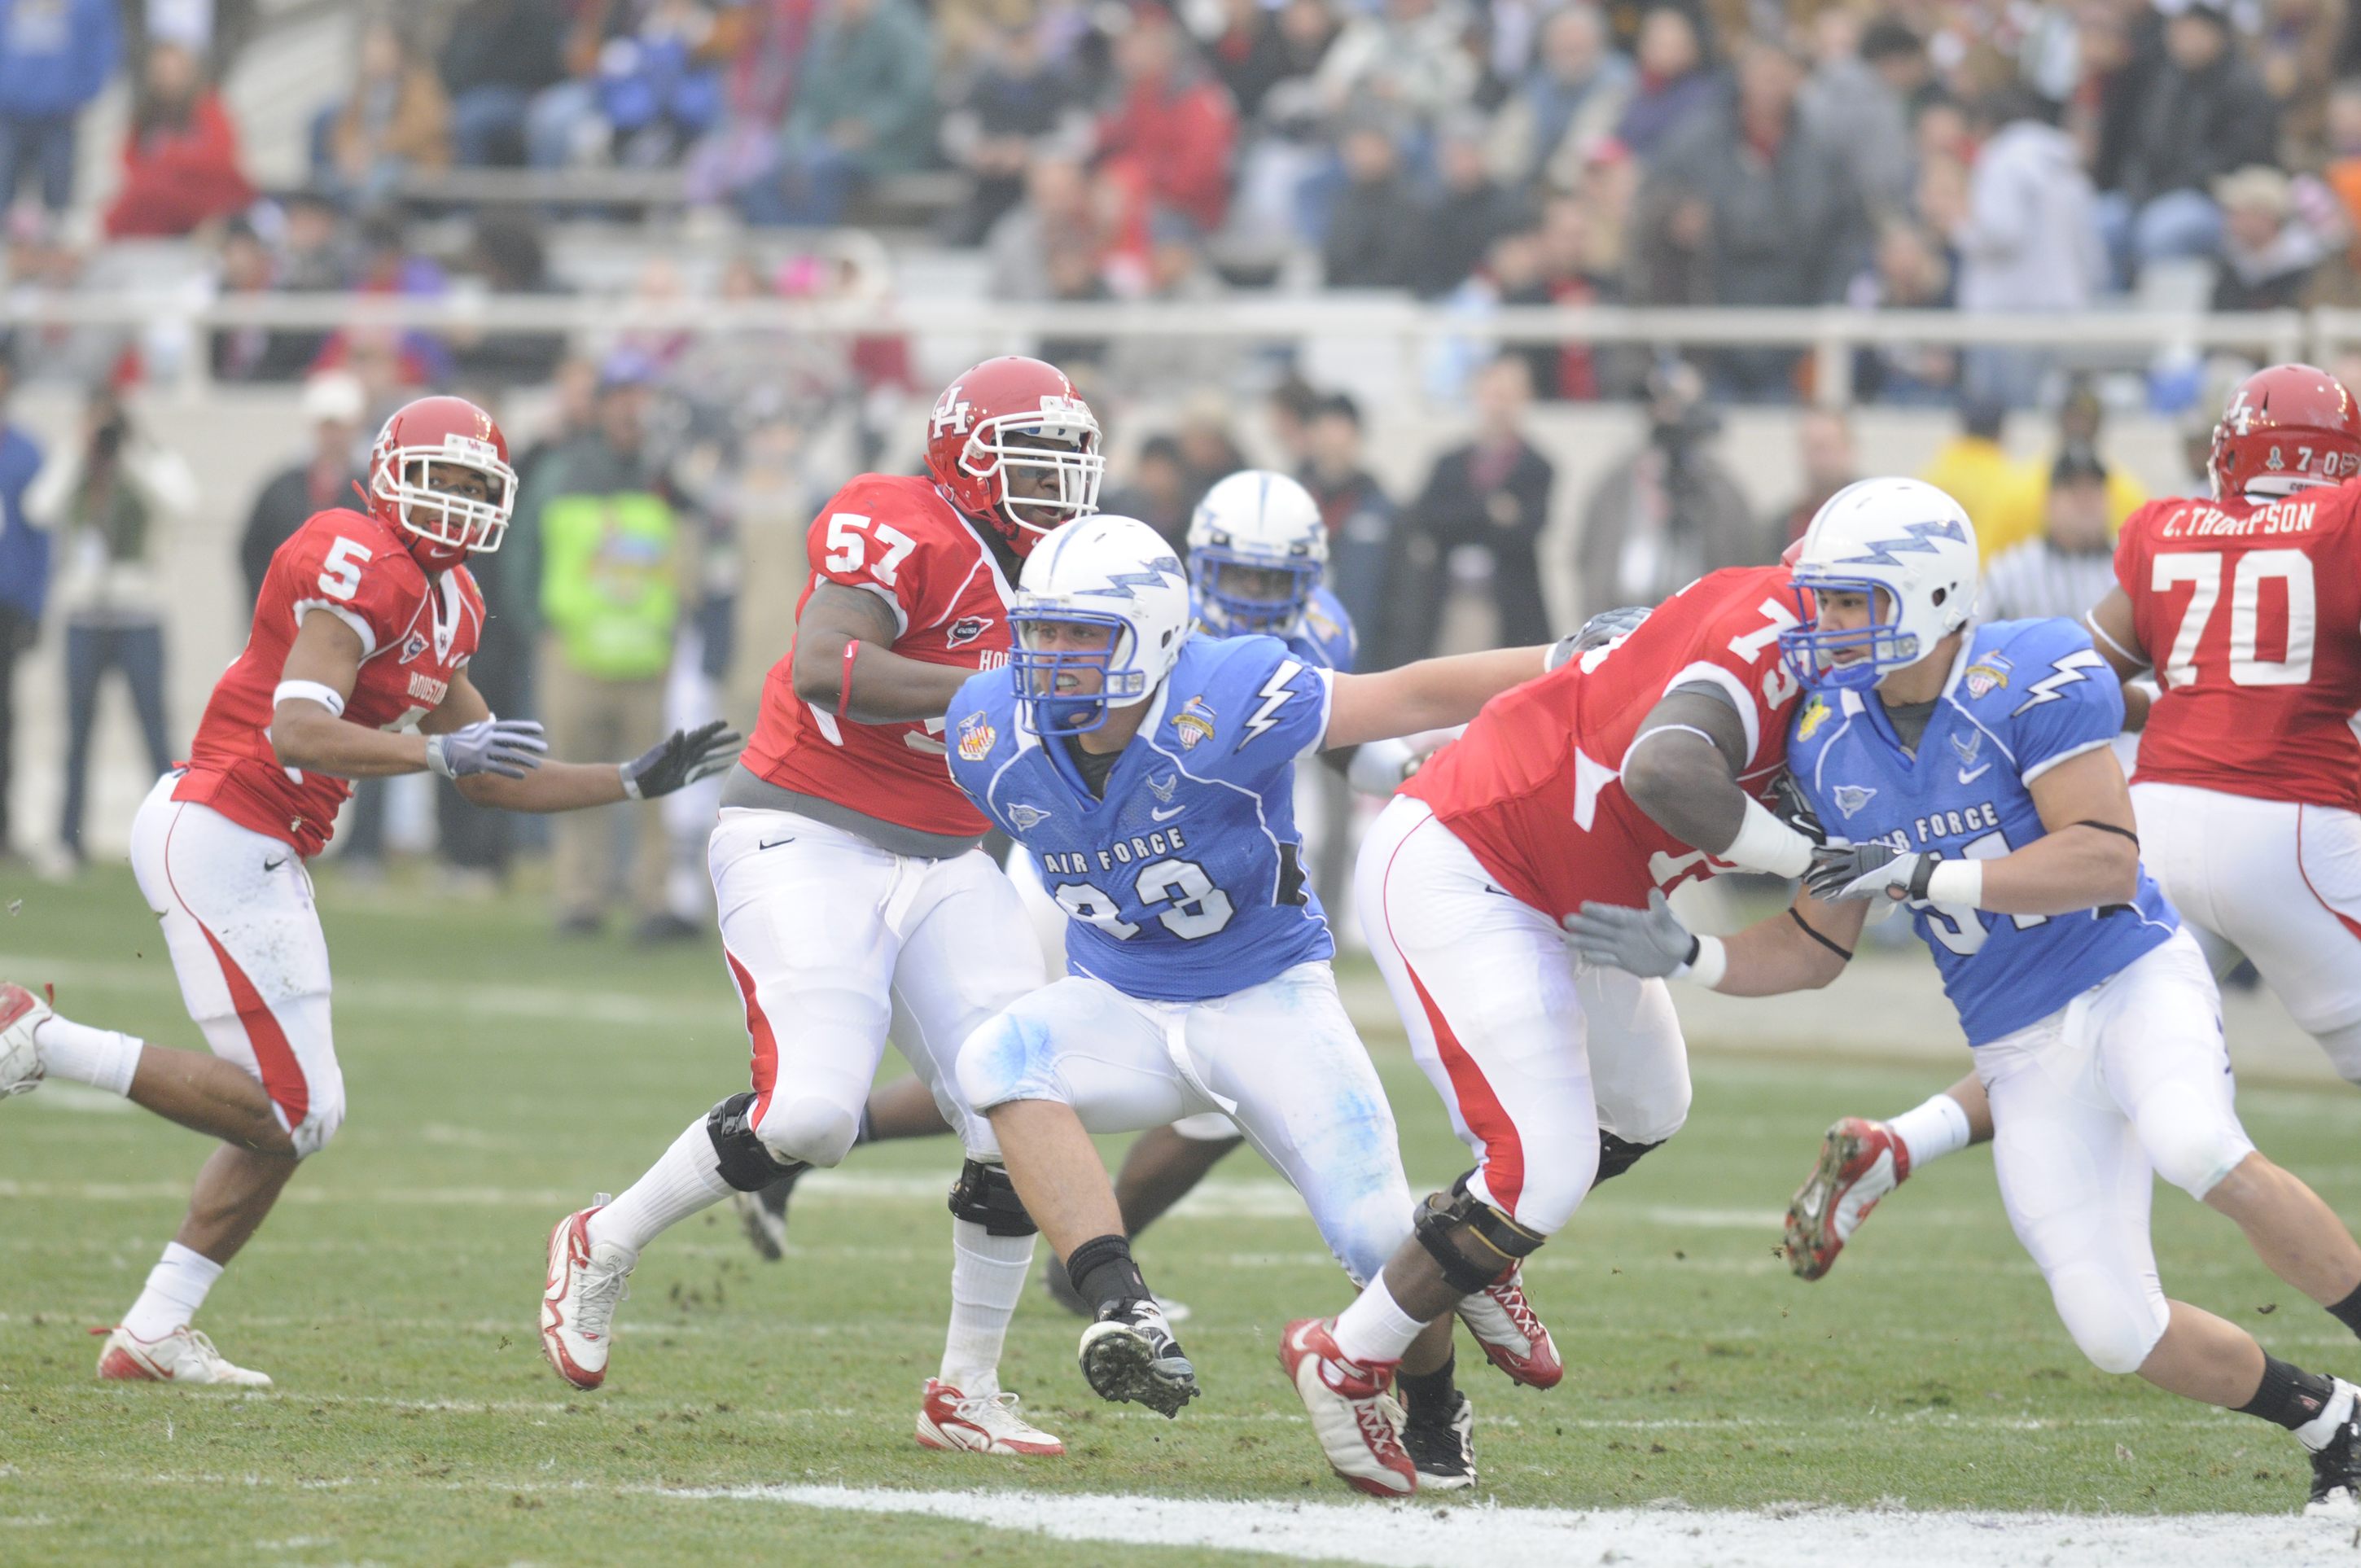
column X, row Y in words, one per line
column 2343, row 1049
column 813, row 1131
column 744, row 1162
column 1008, row 1058
column 1473, row 1242
column 320, row 1124
column 2114, row 1324
column 983, row 1195
column 2190, row 1140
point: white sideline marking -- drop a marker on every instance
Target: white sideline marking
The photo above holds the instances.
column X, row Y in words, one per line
column 1793, row 1535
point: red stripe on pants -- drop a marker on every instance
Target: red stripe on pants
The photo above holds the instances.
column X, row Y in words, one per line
column 282, row 1075
column 1504, row 1154
column 2345, row 919
column 765, row 1069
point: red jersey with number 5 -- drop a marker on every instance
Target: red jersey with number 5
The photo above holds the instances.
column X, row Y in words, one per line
column 2251, row 612
column 416, row 633
column 1532, row 787
column 897, row 538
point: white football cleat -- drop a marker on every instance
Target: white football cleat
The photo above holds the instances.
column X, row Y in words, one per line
column 21, row 1012
column 1513, row 1336
column 184, row 1356
column 1860, row 1162
column 2336, row 1462
column 1347, row 1404
column 980, row 1423
column 577, row 1306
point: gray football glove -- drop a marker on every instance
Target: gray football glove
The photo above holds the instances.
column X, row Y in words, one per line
column 1856, row 872
column 683, row 757
column 509, row 747
column 1651, row 942
column 1597, row 632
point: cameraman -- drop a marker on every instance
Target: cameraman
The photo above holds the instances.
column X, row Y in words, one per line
column 1669, row 513
column 107, row 503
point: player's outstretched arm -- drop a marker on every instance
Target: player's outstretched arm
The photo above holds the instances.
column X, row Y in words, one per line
column 1682, row 769
column 499, row 763
column 2117, row 636
column 307, row 729
column 1432, row 694
column 1802, row 949
column 845, row 664
column 2088, row 855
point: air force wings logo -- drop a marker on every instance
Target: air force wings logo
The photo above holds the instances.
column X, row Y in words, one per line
column 1163, row 792
column 1027, row 817
column 1850, row 798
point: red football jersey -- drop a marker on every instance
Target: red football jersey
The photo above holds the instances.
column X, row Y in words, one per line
column 2251, row 611
column 1532, row 788
column 415, row 635
column 897, row 538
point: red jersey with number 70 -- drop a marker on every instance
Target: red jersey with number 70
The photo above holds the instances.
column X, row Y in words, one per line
column 895, row 537
column 416, row 634
column 1532, row 788
column 2250, row 610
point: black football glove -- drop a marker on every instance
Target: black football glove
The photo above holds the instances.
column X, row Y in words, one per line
column 685, row 757
column 1789, row 806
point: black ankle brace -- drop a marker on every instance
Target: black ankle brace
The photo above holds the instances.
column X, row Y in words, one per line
column 2288, row 1396
column 1102, row 1271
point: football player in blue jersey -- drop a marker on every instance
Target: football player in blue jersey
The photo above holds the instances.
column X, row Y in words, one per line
column 1964, row 773
column 1150, row 773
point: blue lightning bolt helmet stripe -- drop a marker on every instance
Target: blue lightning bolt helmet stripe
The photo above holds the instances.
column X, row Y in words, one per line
column 1911, row 551
column 1108, row 572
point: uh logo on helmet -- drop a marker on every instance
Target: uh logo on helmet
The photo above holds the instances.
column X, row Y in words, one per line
column 1910, row 549
column 1014, row 447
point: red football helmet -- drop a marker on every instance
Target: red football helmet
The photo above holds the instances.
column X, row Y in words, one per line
column 1017, row 419
column 451, row 432
column 2285, row 428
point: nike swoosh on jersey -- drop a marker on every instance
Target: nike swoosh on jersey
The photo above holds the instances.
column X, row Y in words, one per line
column 274, row 865
column 1167, row 816
column 774, row 843
column 1966, row 776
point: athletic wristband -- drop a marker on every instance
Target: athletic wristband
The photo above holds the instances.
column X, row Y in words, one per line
column 1766, row 844
column 436, row 762
column 844, row 679
column 1956, row 882
column 328, row 697
column 630, row 783
column 1709, row 961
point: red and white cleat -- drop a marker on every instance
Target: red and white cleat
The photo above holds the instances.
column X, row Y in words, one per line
column 577, row 1307
column 184, row 1356
column 21, row 1012
column 980, row 1423
column 1347, row 1407
column 1513, row 1336
column 1860, row 1162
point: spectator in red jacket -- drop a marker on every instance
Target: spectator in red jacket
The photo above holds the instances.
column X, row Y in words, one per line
column 1170, row 138
column 180, row 157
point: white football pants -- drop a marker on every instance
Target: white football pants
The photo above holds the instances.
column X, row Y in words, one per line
column 2282, row 882
column 1534, row 1051
column 835, row 944
column 2128, row 1081
column 237, row 911
column 1281, row 1059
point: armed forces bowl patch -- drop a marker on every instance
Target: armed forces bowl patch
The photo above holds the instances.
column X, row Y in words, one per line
column 1986, row 673
column 1194, row 722
column 976, row 737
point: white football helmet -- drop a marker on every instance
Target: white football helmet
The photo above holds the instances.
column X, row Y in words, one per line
column 1912, row 550
column 1109, row 571
column 1257, row 546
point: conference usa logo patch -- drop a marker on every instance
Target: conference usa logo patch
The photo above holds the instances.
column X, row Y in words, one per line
column 1850, row 798
column 1988, row 673
column 976, row 737
column 412, row 646
column 1194, row 722
column 966, row 629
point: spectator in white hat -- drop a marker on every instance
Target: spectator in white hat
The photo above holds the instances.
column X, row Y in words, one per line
column 334, row 404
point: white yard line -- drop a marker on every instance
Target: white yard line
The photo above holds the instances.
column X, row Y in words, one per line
column 1423, row 1536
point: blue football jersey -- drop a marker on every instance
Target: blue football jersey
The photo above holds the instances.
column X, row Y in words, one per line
column 1183, row 883
column 1323, row 638
column 2024, row 696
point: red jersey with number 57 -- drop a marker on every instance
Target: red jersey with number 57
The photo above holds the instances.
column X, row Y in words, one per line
column 1532, row 787
column 415, row 633
column 895, row 537
column 2251, row 612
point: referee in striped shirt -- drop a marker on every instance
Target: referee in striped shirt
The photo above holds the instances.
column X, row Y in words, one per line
column 2073, row 564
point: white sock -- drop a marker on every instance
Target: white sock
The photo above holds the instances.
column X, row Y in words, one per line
column 987, row 1281
column 1931, row 1130
column 686, row 1180
column 79, row 1054
column 1375, row 1330
column 176, row 1289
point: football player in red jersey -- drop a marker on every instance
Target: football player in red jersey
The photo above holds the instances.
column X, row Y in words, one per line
column 1633, row 768
column 356, row 668
column 855, row 903
column 2246, row 604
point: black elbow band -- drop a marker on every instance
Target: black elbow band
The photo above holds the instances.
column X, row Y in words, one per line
column 1615, row 1156
column 1844, row 954
column 983, row 1195
column 746, row 1164
column 2108, row 827
column 1473, row 1242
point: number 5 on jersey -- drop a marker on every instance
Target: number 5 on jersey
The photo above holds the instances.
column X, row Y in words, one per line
column 849, row 535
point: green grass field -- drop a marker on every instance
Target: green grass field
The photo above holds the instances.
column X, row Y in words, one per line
column 496, row 1078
